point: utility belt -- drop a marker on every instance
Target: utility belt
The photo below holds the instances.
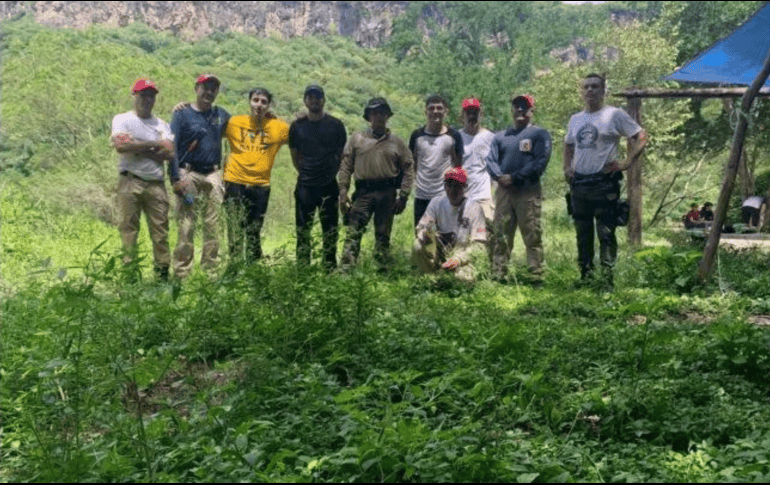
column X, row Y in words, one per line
column 378, row 184
column 601, row 188
column 597, row 178
column 211, row 169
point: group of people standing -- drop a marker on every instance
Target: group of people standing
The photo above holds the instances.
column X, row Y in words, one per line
column 457, row 220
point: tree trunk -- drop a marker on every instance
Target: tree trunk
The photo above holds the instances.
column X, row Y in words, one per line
column 709, row 252
column 746, row 178
column 634, row 182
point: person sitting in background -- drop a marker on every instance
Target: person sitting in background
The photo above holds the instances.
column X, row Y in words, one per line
column 451, row 234
column 692, row 219
column 706, row 213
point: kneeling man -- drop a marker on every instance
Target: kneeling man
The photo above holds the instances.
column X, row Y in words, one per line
column 451, row 235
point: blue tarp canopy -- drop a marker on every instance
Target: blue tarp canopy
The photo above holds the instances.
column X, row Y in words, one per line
column 736, row 59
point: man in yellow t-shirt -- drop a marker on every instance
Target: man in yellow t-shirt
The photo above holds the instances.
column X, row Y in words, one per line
column 254, row 143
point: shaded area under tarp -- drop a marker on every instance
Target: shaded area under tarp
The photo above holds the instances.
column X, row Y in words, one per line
column 735, row 59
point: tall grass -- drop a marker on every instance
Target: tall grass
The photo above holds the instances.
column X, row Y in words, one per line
column 274, row 372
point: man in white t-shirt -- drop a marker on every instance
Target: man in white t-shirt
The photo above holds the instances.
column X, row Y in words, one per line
column 144, row 142
column 451, row 234
column 476, row 142
column 592, row 169
column 751, row 210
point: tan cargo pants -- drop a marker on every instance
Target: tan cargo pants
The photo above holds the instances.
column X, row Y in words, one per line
column 134, row 197
column 517, row 207
column 208, row 192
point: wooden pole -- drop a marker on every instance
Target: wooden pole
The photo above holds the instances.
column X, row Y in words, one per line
column 703, row 93
column 634, row 182
column 709, row 252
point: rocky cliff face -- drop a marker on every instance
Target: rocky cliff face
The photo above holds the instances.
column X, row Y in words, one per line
column 369, row 23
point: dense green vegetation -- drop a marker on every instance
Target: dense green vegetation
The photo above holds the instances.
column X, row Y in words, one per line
column 277, row 373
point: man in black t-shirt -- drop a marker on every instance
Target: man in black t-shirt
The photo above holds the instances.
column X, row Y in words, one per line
column 316, row 143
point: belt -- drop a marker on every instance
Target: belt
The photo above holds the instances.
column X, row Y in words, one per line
column 187, row 166
column 595, row 178
column 378, row 184
column 126, row 173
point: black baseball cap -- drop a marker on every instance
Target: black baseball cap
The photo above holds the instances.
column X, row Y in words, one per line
column 315, row 88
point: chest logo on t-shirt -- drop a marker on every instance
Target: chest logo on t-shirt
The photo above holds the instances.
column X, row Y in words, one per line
column 253, row 141
column 525, row 145
column 587, row 136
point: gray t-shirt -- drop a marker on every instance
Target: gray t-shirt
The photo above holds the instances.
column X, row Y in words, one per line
column 596, row 136
column 151, row 129
column 476, row 149
column 433, row 156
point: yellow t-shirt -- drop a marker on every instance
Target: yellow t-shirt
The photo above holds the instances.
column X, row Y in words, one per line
column 253, row 149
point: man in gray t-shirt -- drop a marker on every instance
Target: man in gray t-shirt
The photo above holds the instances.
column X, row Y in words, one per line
column 435, row 149
column 593, row 172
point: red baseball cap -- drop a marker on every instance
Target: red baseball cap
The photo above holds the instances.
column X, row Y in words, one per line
column 529, row 99
column 458, row 174
column 207, row 77
column 142, row 84
column 471, row 103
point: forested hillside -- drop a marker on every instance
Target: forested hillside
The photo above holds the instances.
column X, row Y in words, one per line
column 273, row 372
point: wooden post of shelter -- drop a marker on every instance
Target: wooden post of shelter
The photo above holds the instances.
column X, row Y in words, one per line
column 709, row 252
column 634, row 182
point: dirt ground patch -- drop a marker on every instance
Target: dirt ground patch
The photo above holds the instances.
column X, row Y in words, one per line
column 760, row 320
column 746, row 242
column 178, row 387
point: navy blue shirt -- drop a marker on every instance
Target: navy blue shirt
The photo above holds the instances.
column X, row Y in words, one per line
column 320, row 143
column 522, row 154
column 205, row 126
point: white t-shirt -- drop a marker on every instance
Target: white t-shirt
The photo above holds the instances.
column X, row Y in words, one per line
column 474, row 162
column 151, row 129
column 755, row 202
column 469, row 228
column 596, row 136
